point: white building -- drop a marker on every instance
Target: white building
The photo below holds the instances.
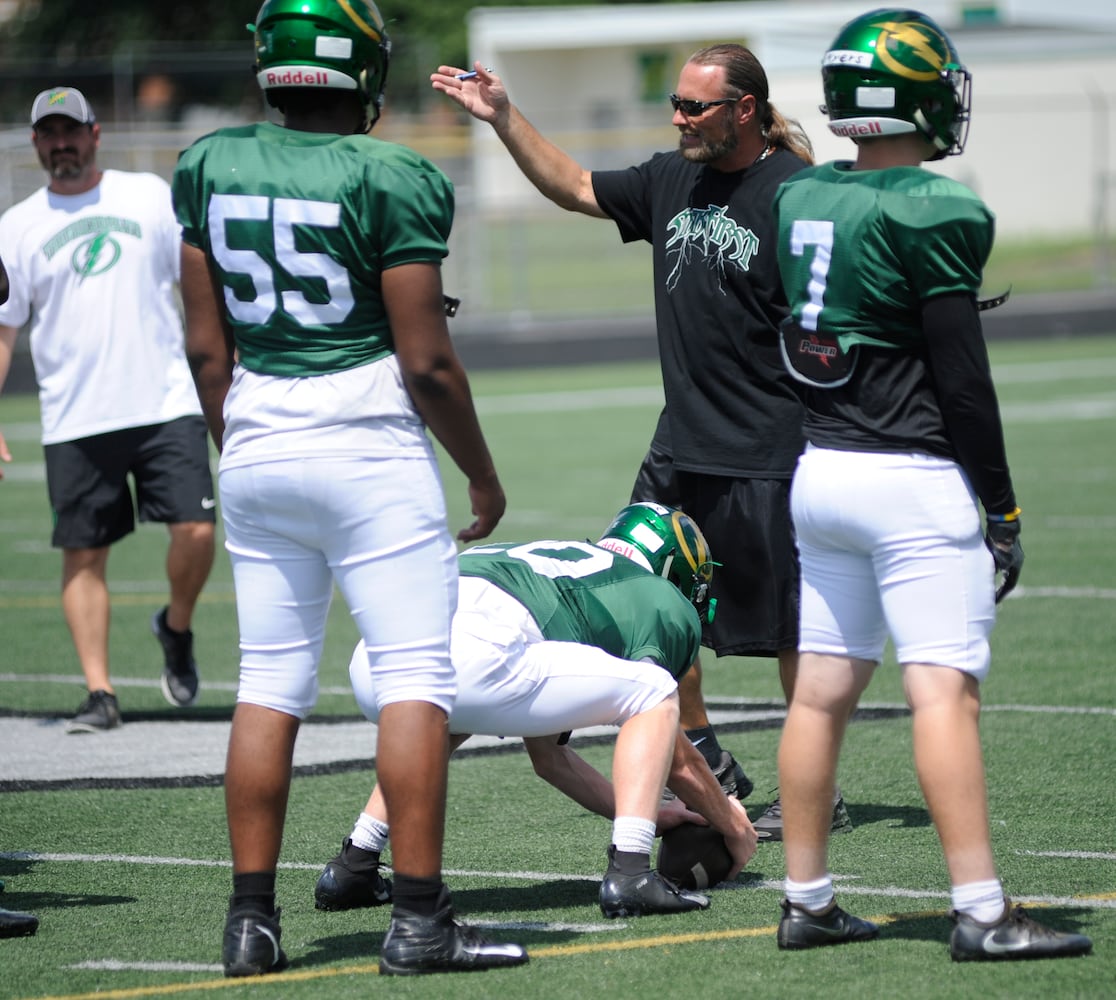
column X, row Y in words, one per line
column 1041, row 150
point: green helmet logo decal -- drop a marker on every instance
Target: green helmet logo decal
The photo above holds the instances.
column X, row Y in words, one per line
column 916, row 41
column 375, row 33
column 696, row 556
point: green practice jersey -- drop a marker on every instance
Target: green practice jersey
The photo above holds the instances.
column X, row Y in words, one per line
column 861, row 250
column 578, row 592
column 301, row 256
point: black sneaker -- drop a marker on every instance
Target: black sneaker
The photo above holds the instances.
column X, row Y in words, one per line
column 645, row 893
column 251, row 945
column 180, row 672
column 732, row 777
column 1013, row 936
column 416, row 946
column 769, row 826
column 800, row 928
column 16, row 924
column 96, row 714
column 352, row 880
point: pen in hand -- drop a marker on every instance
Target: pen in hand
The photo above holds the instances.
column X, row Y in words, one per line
column 471, row 75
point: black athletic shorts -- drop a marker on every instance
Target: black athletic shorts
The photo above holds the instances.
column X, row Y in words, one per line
column 748, row 526
column 87, row 481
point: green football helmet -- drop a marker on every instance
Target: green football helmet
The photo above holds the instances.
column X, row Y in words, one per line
column 337, row 44
column 892, row 71
column 669, row 543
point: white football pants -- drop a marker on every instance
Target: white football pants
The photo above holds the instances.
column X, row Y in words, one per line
column 892, row 543
column 375, row 526
column 513, row 682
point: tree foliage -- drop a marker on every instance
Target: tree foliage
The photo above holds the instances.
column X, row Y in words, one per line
column 101, row 28
column 76, row 41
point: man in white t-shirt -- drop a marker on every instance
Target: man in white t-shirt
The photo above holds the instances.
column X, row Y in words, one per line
column 92, row 261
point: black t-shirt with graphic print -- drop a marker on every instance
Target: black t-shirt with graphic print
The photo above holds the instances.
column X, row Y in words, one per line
column 732, row 408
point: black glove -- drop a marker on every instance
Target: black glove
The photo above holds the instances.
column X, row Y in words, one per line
column 1002, row 539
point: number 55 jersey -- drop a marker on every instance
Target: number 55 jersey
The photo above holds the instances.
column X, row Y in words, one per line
column 301, row 227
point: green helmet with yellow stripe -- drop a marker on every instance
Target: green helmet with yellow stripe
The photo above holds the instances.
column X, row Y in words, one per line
column 895, row 70
column 332, row 44
column 669, row 543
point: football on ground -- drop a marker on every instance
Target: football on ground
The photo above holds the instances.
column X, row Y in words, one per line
column 693, row 856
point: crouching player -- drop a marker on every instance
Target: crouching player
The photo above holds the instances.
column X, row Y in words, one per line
column 551, row 636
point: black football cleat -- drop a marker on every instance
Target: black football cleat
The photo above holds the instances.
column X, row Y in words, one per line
column 799, row 928
column 251, row 946
column 731, row 777
column 1014, row 936
column 416, row 946
column 644, row 893
column 352, row 880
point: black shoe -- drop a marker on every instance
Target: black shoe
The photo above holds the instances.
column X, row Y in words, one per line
column 645, row 893
column 16, row 924
column 732, row 777
column 415, row 946
column 1013, row 936
column 352, row 880
column 180, row 672
column 251, row 946
column 800, row 928
column 96, row 714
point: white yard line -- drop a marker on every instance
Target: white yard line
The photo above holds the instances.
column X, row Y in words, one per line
column 845, row 883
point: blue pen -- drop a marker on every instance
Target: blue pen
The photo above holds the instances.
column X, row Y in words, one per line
column 471, row 74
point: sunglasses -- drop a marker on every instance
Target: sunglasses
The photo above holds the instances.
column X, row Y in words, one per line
column 694, row 109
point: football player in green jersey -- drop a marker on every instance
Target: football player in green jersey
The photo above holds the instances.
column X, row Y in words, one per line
column 317, row 337
column 552, row 636
column 882, row 260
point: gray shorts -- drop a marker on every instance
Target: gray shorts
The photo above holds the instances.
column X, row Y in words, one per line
column 90, row 492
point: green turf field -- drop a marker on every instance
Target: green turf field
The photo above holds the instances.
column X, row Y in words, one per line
column 129, row 875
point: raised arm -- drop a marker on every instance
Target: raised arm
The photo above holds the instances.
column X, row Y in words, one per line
column 553, row 171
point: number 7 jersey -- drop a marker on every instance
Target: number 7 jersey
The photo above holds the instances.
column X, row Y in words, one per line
column 861, row 250
column 301, row 226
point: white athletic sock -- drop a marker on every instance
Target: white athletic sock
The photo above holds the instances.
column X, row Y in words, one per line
column 370, row 834
column 983, row 901
column 634, row 835
column 814, row 896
